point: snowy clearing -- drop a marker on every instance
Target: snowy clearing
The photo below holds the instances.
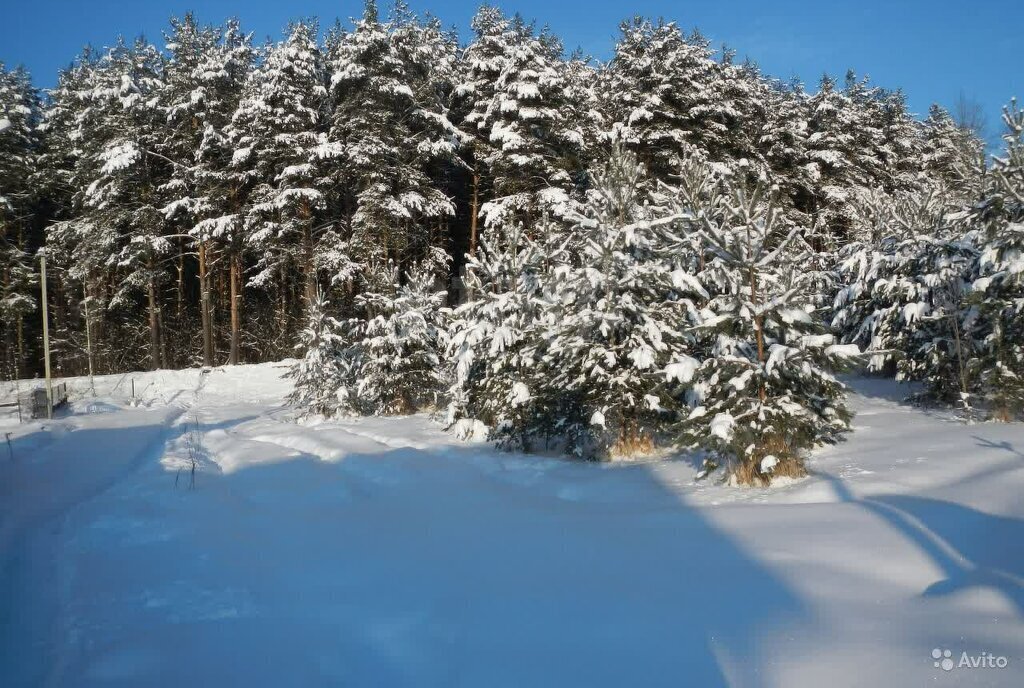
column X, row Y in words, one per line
column 384, row 552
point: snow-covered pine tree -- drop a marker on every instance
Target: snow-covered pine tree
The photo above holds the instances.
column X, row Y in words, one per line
column 952, row 156
column 782, row 142
column 120, row 229
column 276, row 132
column 524, row 143
column 617, row 318
column 765, row 392
column 389, row 136
column 493, row 368
column 205, row 74
column 322, row 375
column 667, row 97
column 999, row 292
column 832, row 128
column 397, row 360
column 19, row 150
column 905, row 279
column 81, row 250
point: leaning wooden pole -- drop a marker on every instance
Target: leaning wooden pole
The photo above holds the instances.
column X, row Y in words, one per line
column 46, row 335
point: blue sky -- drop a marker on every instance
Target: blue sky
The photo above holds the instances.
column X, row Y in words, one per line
column 933, row 49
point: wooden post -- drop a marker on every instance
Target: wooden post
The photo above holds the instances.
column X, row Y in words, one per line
column 88, row 339
column 46, row 335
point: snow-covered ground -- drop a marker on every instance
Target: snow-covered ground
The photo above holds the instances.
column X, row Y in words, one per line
column 383, row 552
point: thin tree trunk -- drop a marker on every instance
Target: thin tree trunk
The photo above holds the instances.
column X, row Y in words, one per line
column 308, row 269
column 181, row 280
column 165, row 354
column 475, row 210
column 282, row 307
column 759, row 324
column 204, row 306
column 236, row 298
column 154, row 326
column 19, row 365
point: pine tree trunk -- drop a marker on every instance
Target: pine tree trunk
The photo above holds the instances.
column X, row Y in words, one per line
column 204, row 307
column 19, row 365
column 307, row 267
column 282, row 307
column 165, row 355
column 759, row 324
column 475, row 210
column 154, row 326
column 181, row 281
column 8, row 348
column 236, row 299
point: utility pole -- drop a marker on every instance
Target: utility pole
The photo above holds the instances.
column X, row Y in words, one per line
column 46, row 335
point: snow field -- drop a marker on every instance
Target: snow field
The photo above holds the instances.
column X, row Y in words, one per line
column 383, row 551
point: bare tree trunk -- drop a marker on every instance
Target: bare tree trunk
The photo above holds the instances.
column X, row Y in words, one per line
column 236, row 298
column 307, row 268
column 165, row 355
column 282, row 306
column 204, row 306
column 154, row 325
column 19, row 365
column 181, row 280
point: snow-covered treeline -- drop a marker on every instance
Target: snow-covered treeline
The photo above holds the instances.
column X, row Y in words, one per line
column 670, row 246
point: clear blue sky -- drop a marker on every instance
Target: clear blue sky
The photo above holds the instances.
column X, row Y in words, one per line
column 932, row 49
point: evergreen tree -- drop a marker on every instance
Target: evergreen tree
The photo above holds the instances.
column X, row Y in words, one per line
column 668, row 98
column 19, row 151
column 276, row 132
column 119, row 230
column 205, row 74
column 765, row 392
column 520, row 117
column 616, row 319
column 490, row 336
column 389, row 134
column 1000, row 289
column 903, row 300
column 321, row 377
column 952, row 156
column 398, row 356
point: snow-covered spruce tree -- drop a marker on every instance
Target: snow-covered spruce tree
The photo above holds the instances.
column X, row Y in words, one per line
column 616, row 317
column 999, row 293
column 322, row 375
column 490, row 334
column 765, row 392
column 397, row 364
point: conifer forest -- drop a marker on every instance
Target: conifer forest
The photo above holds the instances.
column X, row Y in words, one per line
column 666, row 249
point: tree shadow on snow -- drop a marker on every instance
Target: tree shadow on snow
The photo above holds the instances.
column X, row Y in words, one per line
column 433, row 568
column 971, row 548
